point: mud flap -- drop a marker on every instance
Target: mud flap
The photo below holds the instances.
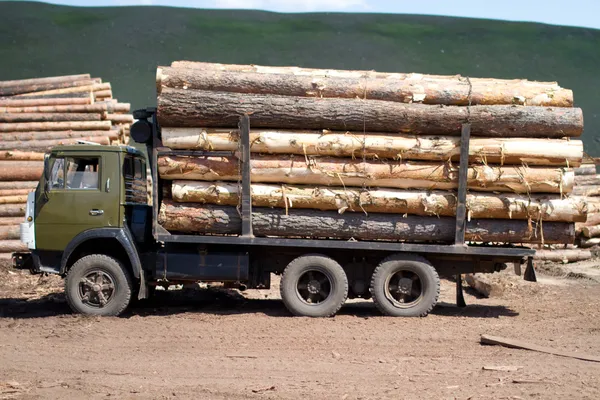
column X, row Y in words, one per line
column 460, row 297
column 530, row 271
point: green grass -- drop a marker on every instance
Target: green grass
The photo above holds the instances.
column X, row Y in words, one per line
column 124, row 45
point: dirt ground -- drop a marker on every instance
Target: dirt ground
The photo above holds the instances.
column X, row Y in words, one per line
column 209, row 344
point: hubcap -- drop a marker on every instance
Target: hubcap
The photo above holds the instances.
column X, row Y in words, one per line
column 96, row 289
column 313, row 287
column 404, row 289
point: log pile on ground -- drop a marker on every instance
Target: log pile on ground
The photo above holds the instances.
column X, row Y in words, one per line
column 587, row 185
column 369, row 156
column 38, row 114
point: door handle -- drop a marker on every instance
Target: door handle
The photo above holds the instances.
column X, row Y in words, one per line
column 95, row 213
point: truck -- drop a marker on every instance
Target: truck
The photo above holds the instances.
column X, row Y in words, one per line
column 93, row 220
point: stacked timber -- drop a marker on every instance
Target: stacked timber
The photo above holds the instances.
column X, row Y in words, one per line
column 587, row 185
column 37, row 114
column 368, row 156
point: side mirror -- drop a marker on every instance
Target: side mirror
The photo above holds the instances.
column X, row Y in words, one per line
column 46, row 173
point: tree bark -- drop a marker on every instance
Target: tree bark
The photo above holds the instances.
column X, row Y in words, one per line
column 13, row 199
column 14, row 192
column 341, row 73
column 591, row 231
column 96, row 87
column 12, row 210
column 197, row 218
column 424, row 203
column 55, row 126
column 416, row 90
column 371, row 145
column 45, row 145
column 87, row 95
column 586, row 169
column 180, row 108
column 587, row 243
column 9, row 246
column 592, row 190
column 9, row 233
column 55, row 135
column 20, row 170
column 18, row 185
column 21, row 155
column 331, row 171
column 45, row 102
column 69, row 108
column 45, row 80
column 11, row 221
column 40, row 87
column 48, row 117
column 563, row 255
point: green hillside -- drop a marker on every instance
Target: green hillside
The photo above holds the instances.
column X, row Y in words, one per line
column 124, row 45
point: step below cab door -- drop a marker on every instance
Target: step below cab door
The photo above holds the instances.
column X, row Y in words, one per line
column 82, row 193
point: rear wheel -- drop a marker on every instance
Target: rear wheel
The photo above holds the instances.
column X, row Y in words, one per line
column 314, row 285
column 98, row 285
column 405, row 285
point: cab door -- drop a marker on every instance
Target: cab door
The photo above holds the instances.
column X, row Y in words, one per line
column 82, row 193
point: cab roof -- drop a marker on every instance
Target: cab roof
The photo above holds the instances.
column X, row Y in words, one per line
column 97, row 148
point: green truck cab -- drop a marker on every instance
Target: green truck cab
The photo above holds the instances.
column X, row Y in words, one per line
column 94, row 220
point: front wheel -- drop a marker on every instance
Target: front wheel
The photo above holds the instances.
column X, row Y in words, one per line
column 98, row 285
column 314, row 285
column 405, row 285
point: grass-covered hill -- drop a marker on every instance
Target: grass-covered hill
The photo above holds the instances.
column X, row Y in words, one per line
column 124, row 45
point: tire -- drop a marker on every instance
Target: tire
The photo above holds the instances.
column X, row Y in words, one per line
column 397, row 272
column 319, row 274
column 82, row 279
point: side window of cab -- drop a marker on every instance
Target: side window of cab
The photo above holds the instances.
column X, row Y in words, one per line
column 80, row 173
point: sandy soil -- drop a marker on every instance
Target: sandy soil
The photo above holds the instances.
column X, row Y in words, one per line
column 209, row 344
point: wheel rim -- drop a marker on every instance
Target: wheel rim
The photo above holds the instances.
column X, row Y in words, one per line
column 96, row 289
column 404, row 289
column 314, row 287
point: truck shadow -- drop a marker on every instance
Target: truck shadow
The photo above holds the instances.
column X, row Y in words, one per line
column 219, row 302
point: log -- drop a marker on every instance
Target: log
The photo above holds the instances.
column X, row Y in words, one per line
column 69, row 108
column 586, row 169
column 591, row 231
column 198, row 218
column 13, row 199
column 103, row 94
column 397, row 146
column 11, row 221
column 45, row 102
column 427, row 91
column 591, row 190
column 20, row 170
column 12, row 210
column 120, row 118
column 10, row 233
column 592, row 219
column 55, row 126
column 48, row 117
column 563, row 255
column 18, row 185
column 180, row 108
column 436, row 203
column 41, row 87
column 586, row 180
column 21, row 155
column 45, row 80
column 87, row 95
column 587, row 243
column 484, row 284
column 9, row 246
column 45, row 145
column 96, row 87
column 14, row 192
column 331, row 171
column 54, row 135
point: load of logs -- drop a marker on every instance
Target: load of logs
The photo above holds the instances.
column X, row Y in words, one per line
column 368, row 156
column 37, row 114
